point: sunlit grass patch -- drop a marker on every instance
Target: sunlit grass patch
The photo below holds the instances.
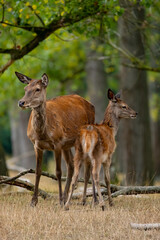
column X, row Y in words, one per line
column 49, row 221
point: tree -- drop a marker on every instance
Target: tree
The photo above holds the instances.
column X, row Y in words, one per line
column 22, row 148
column 135, row 137
column 96, row 79
column 28, row 17
column 49, row 36
column 3, row 167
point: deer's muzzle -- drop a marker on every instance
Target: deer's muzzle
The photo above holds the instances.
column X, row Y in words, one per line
column 21, row 103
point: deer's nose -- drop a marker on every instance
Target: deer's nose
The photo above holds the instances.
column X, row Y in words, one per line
column 21, row 103
column 136, row 113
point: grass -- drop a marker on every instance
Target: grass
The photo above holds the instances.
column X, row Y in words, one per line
column 18, row 221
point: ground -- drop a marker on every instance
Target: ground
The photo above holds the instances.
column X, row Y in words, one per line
column 19, row 221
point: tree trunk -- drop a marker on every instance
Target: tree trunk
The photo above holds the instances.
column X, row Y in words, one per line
column 155, row 127
column 3, row 167
column 96, row 81
column 134, row 150
column 154, row 104
column 22, row 148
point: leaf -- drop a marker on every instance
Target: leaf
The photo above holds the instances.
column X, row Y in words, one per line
column 34, row 6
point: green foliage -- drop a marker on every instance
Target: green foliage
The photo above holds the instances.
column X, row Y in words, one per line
column 60, row 59
column 62, row 55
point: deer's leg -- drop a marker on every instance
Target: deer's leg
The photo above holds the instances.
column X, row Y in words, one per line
column 70, row 168
column 77, row 165
column 86, row 179
column 59, row 173
column 95, row 173
column 39, row 156
column 95, row 199
column 106, row 167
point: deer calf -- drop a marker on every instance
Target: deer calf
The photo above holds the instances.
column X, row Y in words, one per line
column 96, row 144
column 53, row 125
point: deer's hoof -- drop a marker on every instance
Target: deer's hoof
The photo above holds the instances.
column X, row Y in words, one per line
column 103, row 208
column 84, row 202
column 102, row 205
column 34, row 202
column 111, row 204
column 66, row 207
column 61, row 204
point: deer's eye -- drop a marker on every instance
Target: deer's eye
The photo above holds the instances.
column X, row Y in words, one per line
column 37, row 90
column 124, row 107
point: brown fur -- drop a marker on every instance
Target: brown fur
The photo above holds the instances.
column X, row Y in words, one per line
column 53, row 125
column 96, row 144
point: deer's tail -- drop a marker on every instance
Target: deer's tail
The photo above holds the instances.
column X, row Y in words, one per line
column 89, row 138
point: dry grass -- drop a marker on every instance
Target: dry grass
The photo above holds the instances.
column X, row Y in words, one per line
column 18, row 221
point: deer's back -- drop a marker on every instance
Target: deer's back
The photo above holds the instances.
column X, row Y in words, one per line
column 64, row 117
column 69, row 113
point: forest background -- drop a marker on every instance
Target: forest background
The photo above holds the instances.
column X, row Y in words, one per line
column 85, row 47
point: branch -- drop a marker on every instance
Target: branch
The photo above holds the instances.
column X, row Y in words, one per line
column 136, row 62
column 37, row 15
column 9, row 179
column 8, row 51
column 64, row 40
column 26, row 27
column 126, row 53
column 142, row 67
column 3, row 8
column 145, row 227
column 7, row 65
column 116, row 190
column 26, row 185
column 43, row 33
column 134, row 190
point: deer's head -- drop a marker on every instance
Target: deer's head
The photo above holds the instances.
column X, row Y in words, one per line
column 35, row 91
column 120, row 108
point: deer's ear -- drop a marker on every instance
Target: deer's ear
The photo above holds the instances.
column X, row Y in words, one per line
column 23, row 78
column 45, row 79
column 111, row 95
column 118, row 95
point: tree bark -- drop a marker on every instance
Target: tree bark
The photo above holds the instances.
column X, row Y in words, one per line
column 96, row 81
column 155, row 145
column 22, row 148
column 134, row 149
column 96, row 78
column 155, row 125
column 3, row 167
column 27, row 185
column 147, row 226
column 116, row 190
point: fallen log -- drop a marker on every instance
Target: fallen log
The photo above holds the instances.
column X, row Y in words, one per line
column 24, row 184
column 114, row 188
column 26, row 172
column 148, row 226
column 134, row 190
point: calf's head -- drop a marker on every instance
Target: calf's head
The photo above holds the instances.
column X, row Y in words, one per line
column 120, row 108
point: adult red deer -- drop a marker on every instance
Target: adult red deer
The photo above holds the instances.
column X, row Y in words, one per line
column 53, row 125
column 96, row 144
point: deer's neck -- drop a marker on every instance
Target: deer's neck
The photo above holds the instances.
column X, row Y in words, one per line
column 110, row 119
column 39, row 120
